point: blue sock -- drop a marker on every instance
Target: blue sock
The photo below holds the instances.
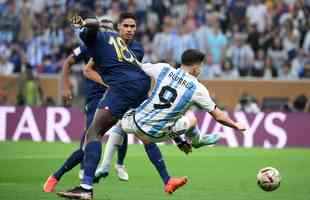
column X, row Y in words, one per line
column 75, row 158
column 155, row 157
column 81, row 147
column 122, row 151
column 92, row 155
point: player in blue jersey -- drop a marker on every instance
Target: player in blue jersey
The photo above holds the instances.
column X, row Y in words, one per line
column 128, row 87
column 93, row 93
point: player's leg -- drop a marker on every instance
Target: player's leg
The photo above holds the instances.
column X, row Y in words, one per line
column 109, row 110
column 119, row 166
column 188, row 125
column 116, row 138
column 102, row 122
column 76, row 157
column 155, row 156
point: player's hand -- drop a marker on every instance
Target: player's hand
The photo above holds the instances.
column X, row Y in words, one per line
column 185, row 146
column 241, row 127
column 67, row 96
column 77, row 21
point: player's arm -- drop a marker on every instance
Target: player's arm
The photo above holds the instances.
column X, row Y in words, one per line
column 91, row 74
column 69, row 61
column 203, row 99
column 224, row 119
column 88, row 28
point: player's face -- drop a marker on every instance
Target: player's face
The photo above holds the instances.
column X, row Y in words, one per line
column 127, row 29
column 196, row 69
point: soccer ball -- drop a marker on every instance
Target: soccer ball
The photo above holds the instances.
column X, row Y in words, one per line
column 268, row 179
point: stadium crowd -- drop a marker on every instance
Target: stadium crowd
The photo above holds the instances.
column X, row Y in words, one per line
column 242, row 38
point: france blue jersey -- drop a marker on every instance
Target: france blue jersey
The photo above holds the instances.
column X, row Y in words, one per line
column 115, row 62
column 91, row 88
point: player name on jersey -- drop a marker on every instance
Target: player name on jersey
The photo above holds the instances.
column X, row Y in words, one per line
column 180, row 80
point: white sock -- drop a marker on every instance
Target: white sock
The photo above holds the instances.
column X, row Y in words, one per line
column 110, row 148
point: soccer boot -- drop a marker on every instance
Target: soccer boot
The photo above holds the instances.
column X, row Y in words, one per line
column 77, row 193
column 50, row 184
column 100, row 175
column 174, row 183
column 206, row 140
column 121, row 172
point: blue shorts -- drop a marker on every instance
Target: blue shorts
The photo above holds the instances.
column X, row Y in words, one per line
column 119, row 99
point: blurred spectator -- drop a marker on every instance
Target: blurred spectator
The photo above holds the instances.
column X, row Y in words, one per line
column 210, row 70
column 9, row 23
column 6, row 67
column 306, row 73
column 216, row 40
column 298, row 63
column 254, row 38
column 26, row 24
column 300, row 103
column 183, row 39
column 30, row 91
column 277, row 55
column 306, row 44
column 227, row 69
column 257, row 14
column 291, row 39
column 288, row 72
column 48, row 102
column 258, row 65
column 162, row 42
column 269, row 70
column 241, row 54
column 247, row 103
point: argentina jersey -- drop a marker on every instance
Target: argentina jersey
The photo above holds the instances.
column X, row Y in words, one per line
column 174, row 92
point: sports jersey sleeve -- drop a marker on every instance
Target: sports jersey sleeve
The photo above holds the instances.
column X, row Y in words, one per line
column 80, row 53
column 153, row 70
column 88, row 35
column 203, row 99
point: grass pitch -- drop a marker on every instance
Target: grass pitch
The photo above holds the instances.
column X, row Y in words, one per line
column 215, row 173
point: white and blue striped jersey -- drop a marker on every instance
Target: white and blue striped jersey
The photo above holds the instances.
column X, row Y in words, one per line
column 174, row 92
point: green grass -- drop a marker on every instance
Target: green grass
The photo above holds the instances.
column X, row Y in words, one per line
column 215, row 173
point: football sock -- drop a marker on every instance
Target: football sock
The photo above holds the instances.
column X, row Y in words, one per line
column 81, row 147
column 155, row 157
column 74, row 159
column 122, row 151
column 92, row 155
column 194, row 134
column 111, row 145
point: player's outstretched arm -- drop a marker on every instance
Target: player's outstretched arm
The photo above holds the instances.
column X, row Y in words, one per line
column 224, row 119
column 66, row 80
column 91, row 74
column 89, row 28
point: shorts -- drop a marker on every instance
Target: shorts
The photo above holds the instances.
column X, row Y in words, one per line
column 180, row 127
column 119, row 99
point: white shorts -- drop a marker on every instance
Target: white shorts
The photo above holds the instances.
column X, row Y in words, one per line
column 129, row 125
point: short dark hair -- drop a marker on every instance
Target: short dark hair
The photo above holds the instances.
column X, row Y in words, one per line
column 126, row 15
column 192, row 56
